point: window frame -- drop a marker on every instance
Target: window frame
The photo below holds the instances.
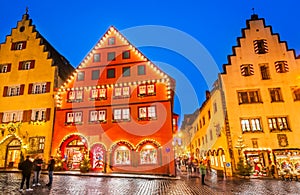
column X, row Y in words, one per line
column 275, row 95
column 246, row 96
column 251, row 125
column 108, row 73
column 139, row 70
column 111, row 56
column 145, row 116
column 274, row 124
column 72, row 118
column 122, row 113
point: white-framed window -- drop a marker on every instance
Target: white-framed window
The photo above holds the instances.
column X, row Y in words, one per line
column 98, row 94
column 4, row 68
column 74, row 117
column 147, row 113
column 148, row 155
column 75, row 96
column 13, row 91
column 251, row 125
column 38, row 88
column 121, row 114
column 278, row 123
column 38, row 114
column 97, row 115
column 146, row 90
column 12, row 116
column 122, row 156
column 122, row 92
column 275, row 94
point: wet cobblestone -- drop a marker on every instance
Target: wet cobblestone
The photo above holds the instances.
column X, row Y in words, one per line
column 187, row 185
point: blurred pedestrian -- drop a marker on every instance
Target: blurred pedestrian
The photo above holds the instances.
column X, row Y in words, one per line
column 37, row 167
column 202, row 172
column 50, row 171
column 26, row 168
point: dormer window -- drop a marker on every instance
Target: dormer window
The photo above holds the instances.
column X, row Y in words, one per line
column 111, row 41
column 260, row 46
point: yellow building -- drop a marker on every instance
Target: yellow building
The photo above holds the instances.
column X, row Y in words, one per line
column 262, row 91
column 30, row 70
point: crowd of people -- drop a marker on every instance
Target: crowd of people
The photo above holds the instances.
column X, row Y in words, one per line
column 29, row 166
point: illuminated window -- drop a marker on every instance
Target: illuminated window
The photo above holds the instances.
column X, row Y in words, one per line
column 98, row 116
column 38, row 88
column 251, row 125
column 122, row 156
column 38, row 114
column 147, row 113
column 74, row 117
column 18, row 45
column 26, row 65
column 148, row 155
column 278, row 124
column 5, row 68
column 75, row 96
column 146, row 90
column 15, row 116
column 122, row 92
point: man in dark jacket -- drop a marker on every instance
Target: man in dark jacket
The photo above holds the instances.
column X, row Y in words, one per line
column 50, row 171
column 26, row 168
column 38, row 162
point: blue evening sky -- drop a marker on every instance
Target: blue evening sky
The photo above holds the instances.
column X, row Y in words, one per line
column 190, row 40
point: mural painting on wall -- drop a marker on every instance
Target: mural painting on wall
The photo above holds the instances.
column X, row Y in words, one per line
column 282, row 140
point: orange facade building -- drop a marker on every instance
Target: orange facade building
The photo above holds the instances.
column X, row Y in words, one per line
column 117, row 110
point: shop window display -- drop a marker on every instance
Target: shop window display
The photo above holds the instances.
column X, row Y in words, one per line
column 122, row 156
column 148, row 155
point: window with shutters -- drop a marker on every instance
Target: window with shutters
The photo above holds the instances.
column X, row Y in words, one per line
column 121, row 114
column 38, row 88
column 97, row 116
column 14, row 91
column 249, row 96
column 247, row 69
column 281, row 67
column 278, row 124
column 251, row 125
column 146, row 90
column 4, row 68
column 260, row 46
column 13, row 116
column 147, row 113
column 75, row 96
column 18, row 45
column 98, row 94
column 36, row 145
column 38, row 114
column 74, row 118
column 275, row 95
column 26, row 65
column 264, row 70
column 122, row 92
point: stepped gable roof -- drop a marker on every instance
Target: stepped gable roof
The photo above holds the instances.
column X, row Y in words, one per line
column 64, row 66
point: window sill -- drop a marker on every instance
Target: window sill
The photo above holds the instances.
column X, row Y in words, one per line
column 97, row 122
column 73, row 124
column 120, row 120
column 246, row 132
column 74, row 101
column 280, row 130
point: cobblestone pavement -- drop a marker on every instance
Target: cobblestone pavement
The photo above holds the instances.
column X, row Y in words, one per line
column 187, row 185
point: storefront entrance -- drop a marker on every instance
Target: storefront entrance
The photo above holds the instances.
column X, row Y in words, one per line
column 259, row 160
column 13, row 154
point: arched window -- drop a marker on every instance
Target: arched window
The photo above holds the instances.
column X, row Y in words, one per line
column 148, row 155
column 122, row 156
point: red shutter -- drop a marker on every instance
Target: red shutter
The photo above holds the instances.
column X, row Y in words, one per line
column 48, row 112
column 24, row 45
column 24, row 115
column 27, row 115
column 1, row 116
column 30, row 88
column 48, row 87
column 8, row 67
column 32, row 64
column 13, row 46
column 20, row 65
column 5, row 91
column 22, row 89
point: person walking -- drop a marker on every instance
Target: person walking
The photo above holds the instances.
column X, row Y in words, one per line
column 38, row 162
column 202, row 172
column 50, row 171
column 26, row 168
